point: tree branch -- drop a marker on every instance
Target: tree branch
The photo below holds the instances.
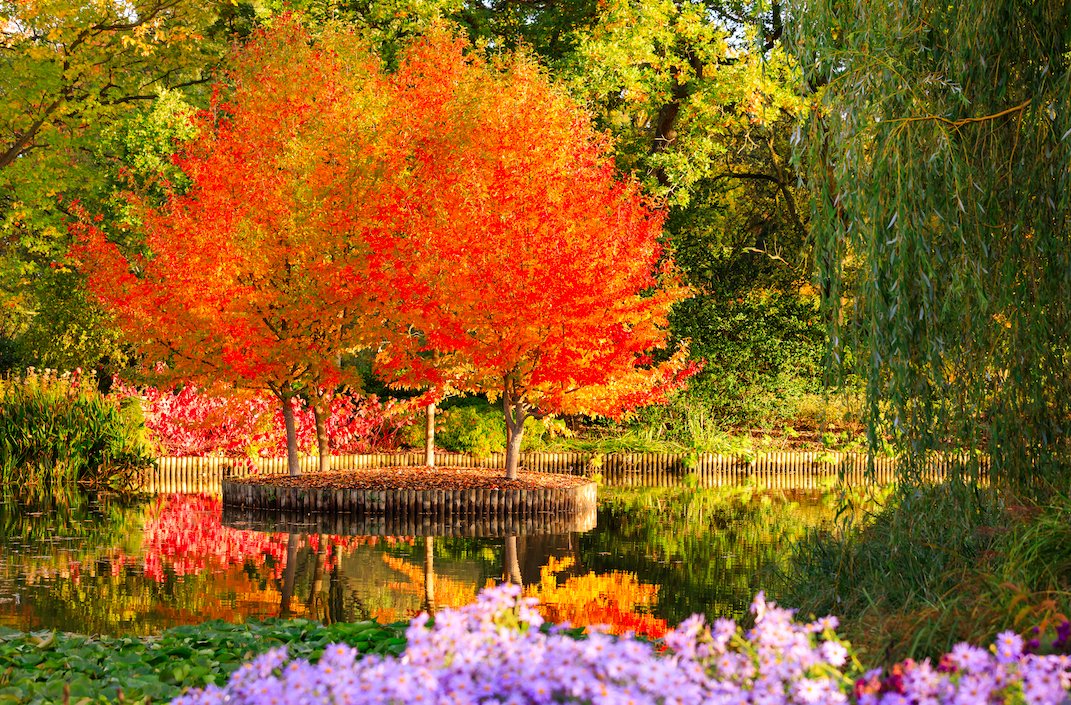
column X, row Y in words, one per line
column 151, row 96
column 965, row 121
column 747, row 175
column 23, row 140
column 777, row 27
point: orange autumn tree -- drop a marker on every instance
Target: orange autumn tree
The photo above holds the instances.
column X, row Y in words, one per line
column 524, row 267
column 257, row 276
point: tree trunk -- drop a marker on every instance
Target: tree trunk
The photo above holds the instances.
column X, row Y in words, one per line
column 515, row 412
column 317, row 579
column 293, row 466
column 289, row 574
column 429, row 437
column 512, row 568
column 429, row 575
column 321, row 408
column 335, row 594
column 513, row 453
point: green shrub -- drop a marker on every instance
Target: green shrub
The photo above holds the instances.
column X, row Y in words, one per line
column 474, row 425
column 471, row 429
column 764, row 355
column 58, row 428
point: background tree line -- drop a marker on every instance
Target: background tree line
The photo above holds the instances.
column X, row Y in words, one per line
column 699, row 97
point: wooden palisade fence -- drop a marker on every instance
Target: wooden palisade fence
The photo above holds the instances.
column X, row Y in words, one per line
column 787, row 470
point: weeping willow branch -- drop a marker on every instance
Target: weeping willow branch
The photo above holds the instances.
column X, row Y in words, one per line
column 947, row 251
column 966, row 121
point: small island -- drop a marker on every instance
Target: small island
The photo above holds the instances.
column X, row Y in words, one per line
column 461, row 497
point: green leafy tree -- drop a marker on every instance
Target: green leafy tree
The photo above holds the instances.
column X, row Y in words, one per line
column 941, row 156
column 703, row 102
column 388, row 25
column 75, row 76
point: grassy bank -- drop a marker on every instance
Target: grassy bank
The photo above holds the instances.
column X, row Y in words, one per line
column 58, row 429
column 821, row 423
column 936, row 566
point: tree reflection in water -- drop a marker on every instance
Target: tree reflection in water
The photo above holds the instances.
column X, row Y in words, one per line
column 135, row 567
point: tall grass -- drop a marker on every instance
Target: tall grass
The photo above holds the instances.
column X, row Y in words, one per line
column 58, row 429
column 937, row 565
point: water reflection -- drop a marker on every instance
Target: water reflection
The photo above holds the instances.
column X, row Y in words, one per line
column 116, row 566
column 274, row 521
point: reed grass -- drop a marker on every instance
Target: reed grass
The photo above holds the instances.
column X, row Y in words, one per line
column 934, row 567
column 58, row 429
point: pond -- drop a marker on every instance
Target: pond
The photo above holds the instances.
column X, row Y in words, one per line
column 110, row 565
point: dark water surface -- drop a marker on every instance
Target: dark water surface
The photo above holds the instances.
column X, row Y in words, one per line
column 109, row 565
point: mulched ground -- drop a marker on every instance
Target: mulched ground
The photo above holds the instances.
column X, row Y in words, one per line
column 420, row 478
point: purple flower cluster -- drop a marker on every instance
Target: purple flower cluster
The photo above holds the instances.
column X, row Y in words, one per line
column 968, row 675
column 494, row 652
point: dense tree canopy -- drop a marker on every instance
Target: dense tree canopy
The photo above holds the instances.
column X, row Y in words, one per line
column 941, row 152
column 698, row 96
column 256, row 275
column 523, row 261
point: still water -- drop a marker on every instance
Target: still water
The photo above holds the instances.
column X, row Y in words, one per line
column 110, row 565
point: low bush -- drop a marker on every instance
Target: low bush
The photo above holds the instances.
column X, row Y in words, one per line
column 471, row 429
column 188, row 421
column 473, row 425
column 58, row 428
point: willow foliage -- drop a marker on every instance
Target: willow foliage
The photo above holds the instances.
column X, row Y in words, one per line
column 940, row 152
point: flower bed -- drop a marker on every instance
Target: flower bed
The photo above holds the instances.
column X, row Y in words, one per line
column 494, row 652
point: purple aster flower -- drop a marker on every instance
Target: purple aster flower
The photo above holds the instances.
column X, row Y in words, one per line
column 969, row 658
column 834, row 653
column 1009, row 646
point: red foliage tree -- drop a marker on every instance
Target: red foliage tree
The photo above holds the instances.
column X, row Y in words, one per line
column 525, row 268
column 257, row 276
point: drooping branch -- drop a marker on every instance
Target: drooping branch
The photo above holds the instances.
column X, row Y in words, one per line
column 966, row 121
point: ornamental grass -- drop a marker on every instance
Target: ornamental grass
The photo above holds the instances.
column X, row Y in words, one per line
column 59, row 429
column 937, row 566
